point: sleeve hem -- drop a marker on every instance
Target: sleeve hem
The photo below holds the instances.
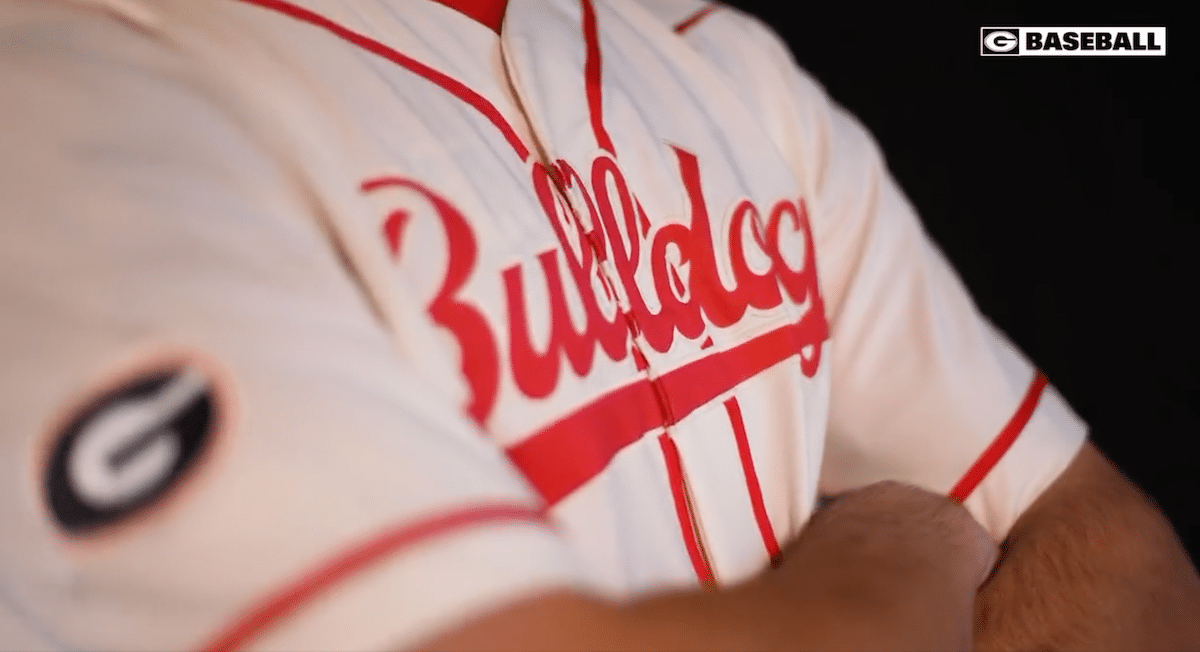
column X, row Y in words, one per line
column 1000, row 445
column 691, row 21
column 270, row 610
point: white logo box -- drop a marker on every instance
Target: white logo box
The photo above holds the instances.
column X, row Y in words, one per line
column 1073, row 41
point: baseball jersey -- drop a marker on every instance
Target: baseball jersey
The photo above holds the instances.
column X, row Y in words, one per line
column 330, row 324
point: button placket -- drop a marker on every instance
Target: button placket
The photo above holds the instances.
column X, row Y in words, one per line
column 580, row 218
column 691, row 532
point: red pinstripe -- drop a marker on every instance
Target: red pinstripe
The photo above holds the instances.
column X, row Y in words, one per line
column 684, row 511
column 990, row 457
column 752, row 487
column 449, row 84
column 283, row 603
column 695, row 18
column 592, row 75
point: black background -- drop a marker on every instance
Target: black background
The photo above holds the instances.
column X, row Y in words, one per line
column 1062, row 191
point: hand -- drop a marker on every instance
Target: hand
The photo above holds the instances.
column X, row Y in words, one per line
column 895, row 563
column 887, row 567
column 900, row 519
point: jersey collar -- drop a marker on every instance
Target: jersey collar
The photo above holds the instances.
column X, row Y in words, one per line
column 487, row 12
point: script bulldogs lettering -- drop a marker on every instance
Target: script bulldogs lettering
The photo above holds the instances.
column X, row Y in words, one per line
column 611, row 239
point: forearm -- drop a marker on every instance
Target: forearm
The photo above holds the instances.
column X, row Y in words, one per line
column 897, row 570
column 771, row 612
column 1092, row 567
column 832, row 592
column 891, row 576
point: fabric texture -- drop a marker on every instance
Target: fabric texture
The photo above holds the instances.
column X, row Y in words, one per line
column 328, row 324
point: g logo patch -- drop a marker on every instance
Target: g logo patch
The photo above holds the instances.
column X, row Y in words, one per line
column 129, row 447
column 1002, row 41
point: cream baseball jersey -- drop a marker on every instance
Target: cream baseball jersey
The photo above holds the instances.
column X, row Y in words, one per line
column 328, row 324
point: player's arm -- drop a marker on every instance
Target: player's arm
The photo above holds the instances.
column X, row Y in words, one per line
column 887, row 567
column 328, row 497
column 1092, row 565
column 925, row 391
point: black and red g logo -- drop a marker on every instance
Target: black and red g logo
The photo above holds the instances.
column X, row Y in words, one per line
column 129, row 447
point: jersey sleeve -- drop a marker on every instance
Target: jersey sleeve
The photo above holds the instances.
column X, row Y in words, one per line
column 924, row 389
column 207, row 439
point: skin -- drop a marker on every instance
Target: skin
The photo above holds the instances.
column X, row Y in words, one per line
column 1091, row 565
column 887, row 567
